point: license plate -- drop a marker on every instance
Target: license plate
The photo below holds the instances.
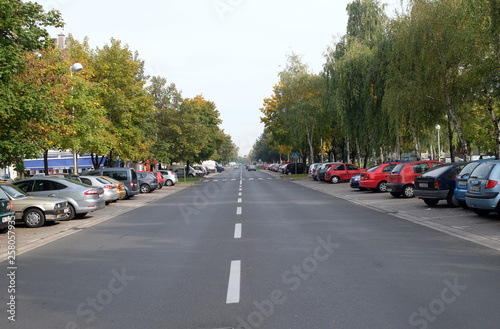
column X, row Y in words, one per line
column 423, row 184
column 7, row 218
column 462, row 183
column 474, row 188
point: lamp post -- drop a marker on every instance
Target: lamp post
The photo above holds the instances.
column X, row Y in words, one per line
column 77, row 67
column 438, row 127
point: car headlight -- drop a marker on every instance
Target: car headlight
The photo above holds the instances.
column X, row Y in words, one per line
column 59, row 205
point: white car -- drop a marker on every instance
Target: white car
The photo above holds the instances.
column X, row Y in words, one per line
column 169, row 177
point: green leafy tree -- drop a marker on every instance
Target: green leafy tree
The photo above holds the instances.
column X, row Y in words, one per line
column 22, row 32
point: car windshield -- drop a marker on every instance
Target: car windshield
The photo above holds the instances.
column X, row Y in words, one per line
column 397, row 169
column 469, row 168
column 436, row 171
column 373, row 168
column 482, row 171
column 14, row 191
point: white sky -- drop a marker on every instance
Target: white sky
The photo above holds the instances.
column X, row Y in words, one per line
column 230, row 51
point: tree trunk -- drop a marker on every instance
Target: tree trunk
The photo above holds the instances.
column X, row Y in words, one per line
column 381, row 155
column 310, row 142
column 496, row 124
column 348, row 151
column 452, row 115
column 416, row 143
column 397, row 150
column 46, row 161
column 452, row 143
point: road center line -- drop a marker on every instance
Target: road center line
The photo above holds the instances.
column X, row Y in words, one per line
column 239, row 194
column 239, row 200
column 237, row 231
column 233, row 287
column 238, row 211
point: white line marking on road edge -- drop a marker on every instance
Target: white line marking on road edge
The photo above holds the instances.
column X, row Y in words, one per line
column 233, row 286
column 237, row 231
column 238, row 211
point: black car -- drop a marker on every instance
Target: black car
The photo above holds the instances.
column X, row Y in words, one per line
column 439, row 184
column 294, row 168
column 6, row 211
column 219, row 168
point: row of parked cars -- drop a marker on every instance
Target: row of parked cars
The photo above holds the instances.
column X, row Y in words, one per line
column 287, row 168
column 36, row 200
column 474, row 185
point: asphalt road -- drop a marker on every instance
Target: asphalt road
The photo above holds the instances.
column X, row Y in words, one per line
column 251, row 250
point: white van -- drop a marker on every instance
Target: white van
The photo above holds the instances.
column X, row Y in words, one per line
column 210, row 164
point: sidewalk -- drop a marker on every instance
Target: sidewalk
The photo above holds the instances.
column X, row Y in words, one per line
column 27, row 239
column 459, row 222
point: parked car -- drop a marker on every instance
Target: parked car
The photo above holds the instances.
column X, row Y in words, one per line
column 400, row 180
column 341, row 172
column 169, row 177
column 158, row 176
column 81, row 198
column 6, row 211
column 291, row 168
column 375, row 178
column 120, row 186
column 219, row 168
column 354, row 182
column 483, row 190
column 110, row 190
column 311, row 170
column 439, row 184
column 126, row 175
column 35, row 211
column 192, row 172
column 147, row 182
column 323, row 169
column 463, row 177
column 204, row 170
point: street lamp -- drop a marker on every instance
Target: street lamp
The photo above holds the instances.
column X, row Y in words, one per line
column 438, row 127
column 77, row 67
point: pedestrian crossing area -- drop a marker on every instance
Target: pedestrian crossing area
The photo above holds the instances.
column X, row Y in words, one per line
column 205, row 180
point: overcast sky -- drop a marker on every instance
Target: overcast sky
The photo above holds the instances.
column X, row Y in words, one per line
column 230, row 51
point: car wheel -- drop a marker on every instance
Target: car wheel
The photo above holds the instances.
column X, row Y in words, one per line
column 71, row 214
column 335, row 180
column 396, row 194
column 289, row 173
column 81, row 215
column 463, row 204
column 190, row 175
column 481, row 212
column 382, row 186
column 451, row 200
column 145, row 188
column 169, row 182
column 431, row 202
column 408, row 191
column 160, row 186
column 33, row 218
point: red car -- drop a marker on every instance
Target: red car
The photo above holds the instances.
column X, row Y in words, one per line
column 375, row 178
column 401, row 179
column 342, row 172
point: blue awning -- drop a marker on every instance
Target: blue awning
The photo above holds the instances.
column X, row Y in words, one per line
column 84, row 162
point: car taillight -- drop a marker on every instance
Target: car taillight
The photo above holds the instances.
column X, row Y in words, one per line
column 491, row 183
column 110, row 187
column 132, row 184
column 10, row 205
column 436, row 184
column 91, row 192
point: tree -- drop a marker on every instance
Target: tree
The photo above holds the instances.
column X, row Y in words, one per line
column 23, row 31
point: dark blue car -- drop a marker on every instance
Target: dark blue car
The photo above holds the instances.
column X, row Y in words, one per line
column 439, row 184
column 463, row 177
